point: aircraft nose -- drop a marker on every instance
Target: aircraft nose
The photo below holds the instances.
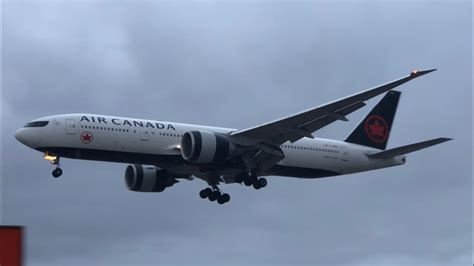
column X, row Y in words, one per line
column 20, row 135
column 27, row 139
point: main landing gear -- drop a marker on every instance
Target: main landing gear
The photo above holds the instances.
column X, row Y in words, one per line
column 53, row 159
column 252, row 180
column 214, row 194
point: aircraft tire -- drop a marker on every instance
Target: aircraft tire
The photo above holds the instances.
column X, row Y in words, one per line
column 57, row 172
column 214, row 195
column 220, row 200
column 225, row 197
column 262, row 182
column 248, row 182
column 205, row 193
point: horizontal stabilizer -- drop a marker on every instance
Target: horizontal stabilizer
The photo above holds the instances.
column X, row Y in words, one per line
column 407, row 148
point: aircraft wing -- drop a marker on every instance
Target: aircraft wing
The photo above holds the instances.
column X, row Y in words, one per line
column 300, row 125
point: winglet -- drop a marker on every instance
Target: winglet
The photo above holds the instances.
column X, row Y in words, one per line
column 417, row 73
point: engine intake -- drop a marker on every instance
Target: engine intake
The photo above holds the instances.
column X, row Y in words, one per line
column 206, row 147
column 147, row 178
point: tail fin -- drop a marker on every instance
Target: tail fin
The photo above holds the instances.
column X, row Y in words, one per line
column 374, row 130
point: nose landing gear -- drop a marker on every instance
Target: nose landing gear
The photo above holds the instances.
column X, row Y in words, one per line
column 57, row 172
column 54, row 159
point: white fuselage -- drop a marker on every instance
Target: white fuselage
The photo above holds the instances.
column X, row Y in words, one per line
column 138, row 141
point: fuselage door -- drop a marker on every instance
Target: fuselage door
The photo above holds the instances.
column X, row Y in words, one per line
column 344, row 159
column 343, row 153
column 70, row 126
column 145, row 134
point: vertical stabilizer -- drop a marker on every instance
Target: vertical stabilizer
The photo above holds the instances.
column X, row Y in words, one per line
column 374, row 130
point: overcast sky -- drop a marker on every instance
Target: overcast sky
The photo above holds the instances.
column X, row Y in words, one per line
column 237, row 65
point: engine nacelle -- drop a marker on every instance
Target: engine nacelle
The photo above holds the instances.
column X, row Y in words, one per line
column 147, row 178
column 206, row 147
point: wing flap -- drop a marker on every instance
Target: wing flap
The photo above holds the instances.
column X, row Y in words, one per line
column 407, row 148
column 324, row 121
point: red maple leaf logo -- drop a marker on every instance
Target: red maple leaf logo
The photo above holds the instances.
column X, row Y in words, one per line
column 376, row 129
column 86, row 137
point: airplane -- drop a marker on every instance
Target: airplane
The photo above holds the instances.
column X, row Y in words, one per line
column 160, row 153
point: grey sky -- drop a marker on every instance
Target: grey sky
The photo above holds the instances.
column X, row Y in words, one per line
column 237, row 65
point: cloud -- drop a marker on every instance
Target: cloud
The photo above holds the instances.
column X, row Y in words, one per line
column 237, row 65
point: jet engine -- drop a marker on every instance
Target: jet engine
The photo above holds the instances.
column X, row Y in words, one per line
column 206, row 147
column 147, row 178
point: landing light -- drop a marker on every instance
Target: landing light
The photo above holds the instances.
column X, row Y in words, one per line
column 50, row 157
column 179, row 146
column 414, row 72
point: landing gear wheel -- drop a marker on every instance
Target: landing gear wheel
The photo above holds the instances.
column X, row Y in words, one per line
column 214, row 195
column 224, row 198
column 262, row 182
column 205, row 193
column 57, row 172
column 220, row 200
column 248, row 182
column 257, row 186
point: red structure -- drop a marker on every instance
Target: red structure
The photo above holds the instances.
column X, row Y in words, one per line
column 11, row 246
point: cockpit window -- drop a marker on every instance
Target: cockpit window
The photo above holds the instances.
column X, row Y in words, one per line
column 37, row 124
